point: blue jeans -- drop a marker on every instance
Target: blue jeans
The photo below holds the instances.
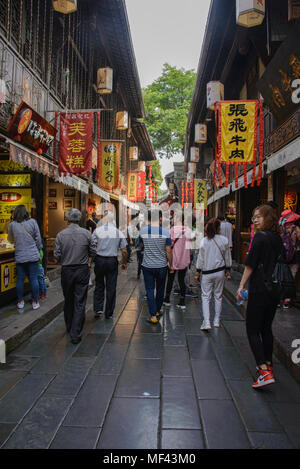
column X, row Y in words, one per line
column 41, row 279
column 31, row 270
column 155, row 278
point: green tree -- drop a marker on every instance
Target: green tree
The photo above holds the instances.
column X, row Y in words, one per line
column 167, row 102
column 156, row 174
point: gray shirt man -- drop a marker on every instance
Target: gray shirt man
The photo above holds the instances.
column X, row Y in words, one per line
column 107, row 240
column 73, row 246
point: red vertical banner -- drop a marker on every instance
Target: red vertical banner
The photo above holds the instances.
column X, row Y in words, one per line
column 76, row 143
column 150, row 182
column 98, row 144
column 141, row 184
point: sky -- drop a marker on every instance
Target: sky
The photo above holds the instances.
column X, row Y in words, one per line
column 166, row 31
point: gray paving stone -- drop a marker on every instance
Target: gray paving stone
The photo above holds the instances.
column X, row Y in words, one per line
column 17, row 363
column 192, row 326
column 255, row 411
column 8, row 381
column 110, row 360
column 71, row 377
column 182, row 439
column 92, row 402
column 139, row 378
column 91, row 345
column 289, row 417
column 231, row 363
column 173, row 317
column 175, row 337
column 261, row 440
column 220, row 336
column 128, row 317
column 131, row 424
column 102, row 326
column 40, row 425
column 16, row 403
column 176, row 362
column 179, row 404
column 286, row 388
column 235, row 328
column 55, row 359
column 222, row 425
column 121, row 333
column 145, row 346
column 76, row 438
column 200, row 347
column 5, row 431
column 209, row 380
column 143, row 327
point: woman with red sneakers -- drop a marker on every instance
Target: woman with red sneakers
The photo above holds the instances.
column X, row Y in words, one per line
column 261, row 307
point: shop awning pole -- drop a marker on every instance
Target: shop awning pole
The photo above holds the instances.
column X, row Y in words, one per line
column 69, row 111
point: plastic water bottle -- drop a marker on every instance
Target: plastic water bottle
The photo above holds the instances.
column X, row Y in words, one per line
column 244, row 295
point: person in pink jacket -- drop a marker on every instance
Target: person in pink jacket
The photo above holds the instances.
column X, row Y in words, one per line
column 181, row 236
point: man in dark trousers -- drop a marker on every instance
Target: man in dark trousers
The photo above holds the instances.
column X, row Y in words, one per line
column 106, row 242
column 73, row 251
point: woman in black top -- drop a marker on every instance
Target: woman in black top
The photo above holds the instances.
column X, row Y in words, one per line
column 261, row 307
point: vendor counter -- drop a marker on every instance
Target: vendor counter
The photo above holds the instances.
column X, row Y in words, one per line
column 8, row 276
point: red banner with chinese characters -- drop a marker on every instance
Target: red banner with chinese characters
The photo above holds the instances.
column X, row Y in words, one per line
column 141, row 186
column 236, row 142
column 76, row 143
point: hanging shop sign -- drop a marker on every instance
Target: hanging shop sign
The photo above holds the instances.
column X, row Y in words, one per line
column 8, row 276
column 280, row 83
column 236, row 124
column 250, row 13
column 104, row 80
column 65, row 6
column 76, row 143
column 291, row 201
column 141, row 186
column 200, row 133
column 9, row 199
column 109, row 164
column 28, row 127
column 15, row 180
column 194, row 154
column 131, row 186
column 214, row 92
column 133, row 153
column 200, row 194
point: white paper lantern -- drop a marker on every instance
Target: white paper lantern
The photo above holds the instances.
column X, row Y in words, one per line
column 64, row 6
column 122, row 120
column 133, row 153
column 200, row 133
column 194, row 154
column 250, row 13
column 192, row 168
column 104, row 80
column 215, row 92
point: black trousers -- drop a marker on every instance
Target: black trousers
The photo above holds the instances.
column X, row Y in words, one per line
column 106, row 272
column 75, row 283
column 171, row 277
column 261, row 309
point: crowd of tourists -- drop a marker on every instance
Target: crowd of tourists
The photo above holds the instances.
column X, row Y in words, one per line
column 164, row 256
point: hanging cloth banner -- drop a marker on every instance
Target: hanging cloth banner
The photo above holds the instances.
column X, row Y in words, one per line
column 200, row 194
column 76, row 143
column 132, row 186
column 236, row 124
column 109, row 153
column 141, row 186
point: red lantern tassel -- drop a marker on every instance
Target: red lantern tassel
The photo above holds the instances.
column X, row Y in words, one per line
column 261, row 142
column 245, row 176
column 227, row 175
column 55, row 141
column 236, row 166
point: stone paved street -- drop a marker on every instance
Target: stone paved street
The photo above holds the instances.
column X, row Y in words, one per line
column 131, row 385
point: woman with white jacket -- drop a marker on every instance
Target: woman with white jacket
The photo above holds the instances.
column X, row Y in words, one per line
column 214, row 261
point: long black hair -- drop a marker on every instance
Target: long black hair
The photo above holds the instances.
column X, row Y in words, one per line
column 20, row 213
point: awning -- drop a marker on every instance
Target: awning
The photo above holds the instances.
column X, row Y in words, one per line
column 129, row 204
column 285, row 155
column 100, row 192
column 76, row 182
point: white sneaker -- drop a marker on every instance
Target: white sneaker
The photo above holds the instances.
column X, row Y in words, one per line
column 35, row 305
column 216, row 322
column 205, row 326
column 20, row 304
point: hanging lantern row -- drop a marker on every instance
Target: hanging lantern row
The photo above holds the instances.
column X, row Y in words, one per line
column 200, row 133
column 250, row 13
column 64, row 6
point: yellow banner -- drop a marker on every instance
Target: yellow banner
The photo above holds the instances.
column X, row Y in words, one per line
column 109, row 164
column 8, row 276
column 132, row 186
column 9, row 199
column 237, row 131
column 15, row 180
column 200, row 194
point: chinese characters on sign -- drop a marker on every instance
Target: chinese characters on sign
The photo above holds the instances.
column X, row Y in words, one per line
column 200, row 194
column 76, row 143
column 109, row 164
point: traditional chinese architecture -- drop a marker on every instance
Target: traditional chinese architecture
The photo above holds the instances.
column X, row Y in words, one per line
column 70, row 109
column 257, row 64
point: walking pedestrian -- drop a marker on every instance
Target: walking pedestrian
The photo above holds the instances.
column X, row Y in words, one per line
column 139, row 250
column 25, row 234
column 73, row 251
column 92, row 222
column 157, row 254
column 129, row 236
column 290, row 233
column 181, row 237
column 261, row 307
column 106, row 242
column 226, row 229
column 214, row 261
column 41, row 278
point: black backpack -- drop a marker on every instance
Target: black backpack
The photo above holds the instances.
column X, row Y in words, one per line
column 282, row 284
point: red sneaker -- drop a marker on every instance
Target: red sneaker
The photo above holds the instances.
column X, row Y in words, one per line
column 265, row 377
